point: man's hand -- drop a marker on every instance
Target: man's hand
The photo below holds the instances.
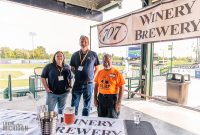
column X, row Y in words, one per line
column 117, row 106
column 70, row 89
column 48, row 90
column 95, row 102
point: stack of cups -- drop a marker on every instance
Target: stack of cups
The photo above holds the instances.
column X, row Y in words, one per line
column 48, row 122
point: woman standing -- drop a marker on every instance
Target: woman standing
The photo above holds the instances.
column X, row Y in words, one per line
column 56, row 78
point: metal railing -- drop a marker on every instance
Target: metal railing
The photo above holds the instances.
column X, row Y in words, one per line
column 35, row 85
column 133, row 83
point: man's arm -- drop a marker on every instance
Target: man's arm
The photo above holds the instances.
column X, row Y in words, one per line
column 70, row 78
column 72, row 63
column 73, row 69
column 119, row 99
column 96, row 69
column 44, row 82
column 121, row 92
column 70, row 83
column 95, row 94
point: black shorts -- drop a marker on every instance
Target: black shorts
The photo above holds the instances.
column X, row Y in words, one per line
column 106, row 105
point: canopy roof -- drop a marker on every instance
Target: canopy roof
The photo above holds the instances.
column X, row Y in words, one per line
column 88, row 9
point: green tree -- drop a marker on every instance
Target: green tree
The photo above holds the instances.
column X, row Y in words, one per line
column 18, row 53
column 40, row 53
column 30, row 52
column 67, row 55
column 51, row 56
column 100, row 56
column 115, row 58
column 26, row 54
column 6, row 52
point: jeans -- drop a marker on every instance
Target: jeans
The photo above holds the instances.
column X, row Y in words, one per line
column 53, row 99
column 86, row 90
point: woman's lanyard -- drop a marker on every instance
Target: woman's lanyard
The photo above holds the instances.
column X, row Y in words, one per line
column 80, row 68
column 60, row 77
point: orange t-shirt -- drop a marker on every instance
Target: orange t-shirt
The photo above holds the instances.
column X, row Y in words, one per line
column 109, row 81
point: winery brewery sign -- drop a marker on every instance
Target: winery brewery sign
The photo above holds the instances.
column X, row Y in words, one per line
column 169, row 20
column 93, row 126
column 13, row 122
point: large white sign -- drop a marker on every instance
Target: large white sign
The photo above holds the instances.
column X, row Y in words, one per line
column 168, row 20
column 14, row 122
column 93, row 126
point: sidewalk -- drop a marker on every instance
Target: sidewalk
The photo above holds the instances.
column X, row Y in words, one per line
column 160, row 89
column 166, row 119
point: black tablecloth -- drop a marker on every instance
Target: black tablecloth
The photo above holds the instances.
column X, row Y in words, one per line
column 144, row 128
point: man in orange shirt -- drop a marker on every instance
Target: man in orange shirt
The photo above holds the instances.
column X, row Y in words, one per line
column 109, row 88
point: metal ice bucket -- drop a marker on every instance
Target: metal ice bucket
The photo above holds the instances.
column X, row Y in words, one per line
column 48, row 122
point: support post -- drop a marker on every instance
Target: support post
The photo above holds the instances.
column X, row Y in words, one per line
column 171, row 57
column 10, row 87
column 146, row 65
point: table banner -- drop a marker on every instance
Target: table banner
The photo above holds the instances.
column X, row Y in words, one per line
column 13, row 122
column 93, row 126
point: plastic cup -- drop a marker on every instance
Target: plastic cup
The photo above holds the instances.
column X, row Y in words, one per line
column 137, row 117
column 69, row 115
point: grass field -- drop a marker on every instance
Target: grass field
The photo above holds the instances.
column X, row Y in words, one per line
column 14, row 74
column 4, row 66
column 15, row 83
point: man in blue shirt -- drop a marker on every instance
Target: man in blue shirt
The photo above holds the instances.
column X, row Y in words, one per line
column 84, row 64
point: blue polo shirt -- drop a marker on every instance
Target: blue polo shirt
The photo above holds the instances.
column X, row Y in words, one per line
column 51, row 72
column 87, row 74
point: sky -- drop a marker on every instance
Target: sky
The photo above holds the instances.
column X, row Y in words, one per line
column 57, row 31
column 52, row 30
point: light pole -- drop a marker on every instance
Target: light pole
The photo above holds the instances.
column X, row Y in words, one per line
column 32, row 34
